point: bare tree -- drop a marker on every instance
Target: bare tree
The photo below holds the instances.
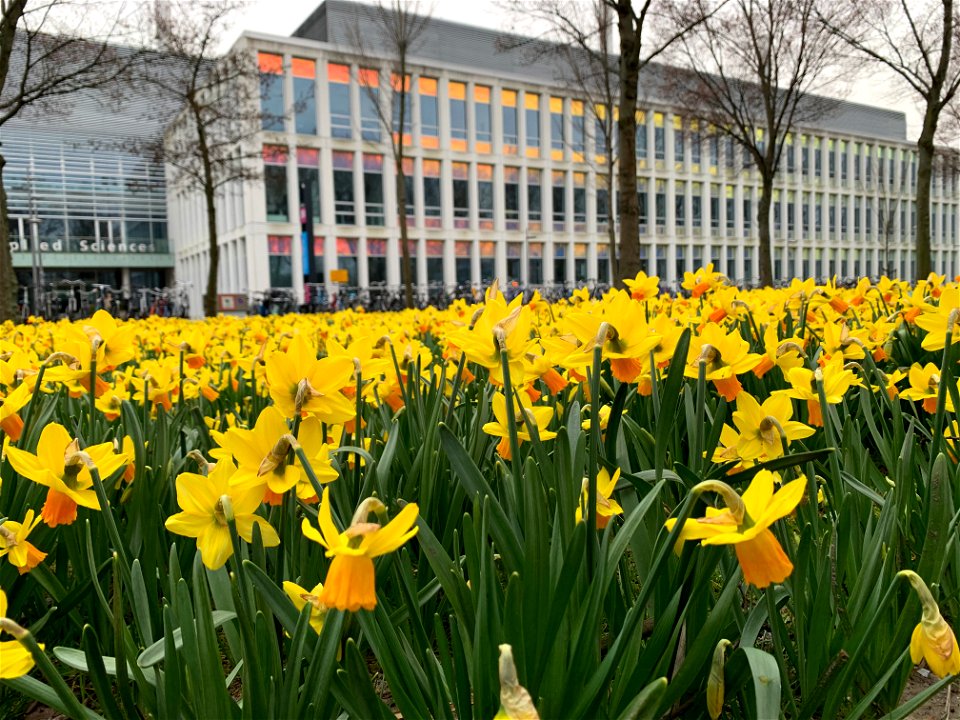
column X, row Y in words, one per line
column 638, row 21
column 754, row 68
column 580, row 35
column 398, row 27
column 917, row 40
column 208, row 146
column 44, row 59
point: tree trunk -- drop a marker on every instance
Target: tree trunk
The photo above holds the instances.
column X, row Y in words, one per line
column 611, row 219
column 763, row 220
column 210, row 296
column 8, row 278
column 406, row 271
column 924, row 176
column 627, row 128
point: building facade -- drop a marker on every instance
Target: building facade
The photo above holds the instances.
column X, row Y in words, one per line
column 92, row 207
column 504, row 178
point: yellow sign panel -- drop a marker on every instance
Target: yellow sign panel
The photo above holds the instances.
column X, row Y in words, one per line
column 339, row 276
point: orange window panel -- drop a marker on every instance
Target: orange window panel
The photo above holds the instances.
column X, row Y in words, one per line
column 275, row 154
column 579, row 179
column 270, row 63
column 369, row 77
column 484, row 172
column 556, row 105
column 461, row 171
column 457, row 90
column 408, row 166
column 303, row 68
column 511, row 175
column 531, row 101
column 431, row 168
column 459, row 145
column 533, row 153
column 308, row 157
column 488, row 248
column 338, row 73
column 508, row 98
column 430, row 142
column 483, row 148
column 428, row 86
column 481, row 93
column 395, row 82
column 463, row 248
column 576, row 107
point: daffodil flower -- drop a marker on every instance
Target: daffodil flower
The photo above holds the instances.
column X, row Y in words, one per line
column 350, row 580
column 525, row 414
column 203, row 499
column 302, row 384
column 62, row 467
column 607, row 507
column 764, row 427
column 21, row 553
column 15, row 659
column 301, row 597
column 745, row 523
column 933, row 639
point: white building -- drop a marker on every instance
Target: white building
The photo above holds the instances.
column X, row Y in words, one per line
column 505, row 181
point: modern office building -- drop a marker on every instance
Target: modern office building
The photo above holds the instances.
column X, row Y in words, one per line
column 94, row 209
column 503, row 177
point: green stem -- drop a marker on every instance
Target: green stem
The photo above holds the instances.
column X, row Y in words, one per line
column 37, row 392
column 593, row 447
column 69, row 700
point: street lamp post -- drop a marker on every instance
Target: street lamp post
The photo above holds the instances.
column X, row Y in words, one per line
column 36, row 259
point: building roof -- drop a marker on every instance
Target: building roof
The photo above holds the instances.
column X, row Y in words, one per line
column 483, row 50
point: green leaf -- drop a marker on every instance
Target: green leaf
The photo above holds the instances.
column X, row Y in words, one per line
column 154, row 654
column 766, row 682
column 43, row 693
column 644, row 705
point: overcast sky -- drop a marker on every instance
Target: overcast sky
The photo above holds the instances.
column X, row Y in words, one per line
column 282, row 17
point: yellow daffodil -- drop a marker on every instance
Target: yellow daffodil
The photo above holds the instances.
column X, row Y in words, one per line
column 62, row 467
column 701, row 280
column 115, row 344
column 525, row 413
column 725, row 355
column 21, row 553
column 10, row 421
column 607, row 507
column 764, row 427
column 301, row 597
column 300, row 383
column 643, row 287
column 350, row 580
column 937, row 319
column 836, row 381
column 924, row 385
column 933, row 639
column 15, row 659
column 202, row 500
column 745, row 523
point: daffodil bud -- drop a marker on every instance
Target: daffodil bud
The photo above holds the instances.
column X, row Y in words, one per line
column 933, row 639
column 715, row 684
column 731, row 498
column 515, row 700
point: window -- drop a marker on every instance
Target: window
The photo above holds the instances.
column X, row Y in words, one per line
column 434, row 261
column 868, row 162
column 579, row 140
column 369, row 105
column 843, row 218
column 485, row 196
column 603, row 202
column 338, row 83
column 818, row 214
column 805, row 155
column 559, row 263
column 680, row 207
column 484, row 133
column 642, row 137
column 714, row 207
column 659, row 137
column 376, row 260
column 308, row 179
column 856, row 216
column 373, row 188
column 279, row 256
column 660, row 206
column 534, row 205
column 643, row 210
column 488, row 263
column 661, row 261
column 429, row 114
column 535, row 263
column 856, row 162
column 731, row 262
column 461, row 195
column 511, row 197
column 557, row 139
column 747, row 263
column 275, row 182
column 579, row 202
column 817, row 159
column 832, row 215
column 347, row 259
column 532, row 119
column 731, row 153
column 431, row 194
column 400, row 100
column 580, row 262
column 508, row 111
column 514, row 261
column 747, row 215
column 791, row 213
column 343, row 201
column 679, row 144
column 843, row 160
column 559, row 200
column 697, row 205
column 271, row 91
column 714, row 152
column 695, row 141
column 305, row 102
column 805, row 214
column 791, row 156
column 869, row 219
column 679, row 261
column 458, row 115
column 603, row 263
column 777, row 212
column 463, row 252
column 408, row 192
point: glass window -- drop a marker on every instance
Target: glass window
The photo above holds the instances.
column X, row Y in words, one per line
column 697, row 205
column 641, row 135
column 271, row 91
column 373, row 188
column 304, row 99
column 747, row 215
column 559, row 200
column 579, row 140
column 431, row 193
column 818, row 214
column 603, row 202
column 831, row 159
column 534, row 205
column 511, row 197
column 514, row 261
column 280, row 260
column 463, row 250
column 308, row 179
column 714, row 152
column 347, row 259
column 369, row 105
column 461, row 195
column 429, row 114
column 659, row 137
column 695, row 142
column 817, row 158
column 661, row 205
column 275, row 182
column 400, row 100
column 488, row 254
column 343, row 188
column 409, row 192
column 579, row 202
column 435, row 262
column 643, row 210
column 531, row 104
column 805, row 214
column 484, row 131
column 679, row 146
column 508, row 110
column 376, row 260
column 557, row 139
column 790, row 155
column 843, row 159
column 338, row 82
column 680, row 206
column 458, row 115
column 485, row 196
column 731, row 211
column 805, row 155
column 559, row 263
column 535, row 263
column 715, row 207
